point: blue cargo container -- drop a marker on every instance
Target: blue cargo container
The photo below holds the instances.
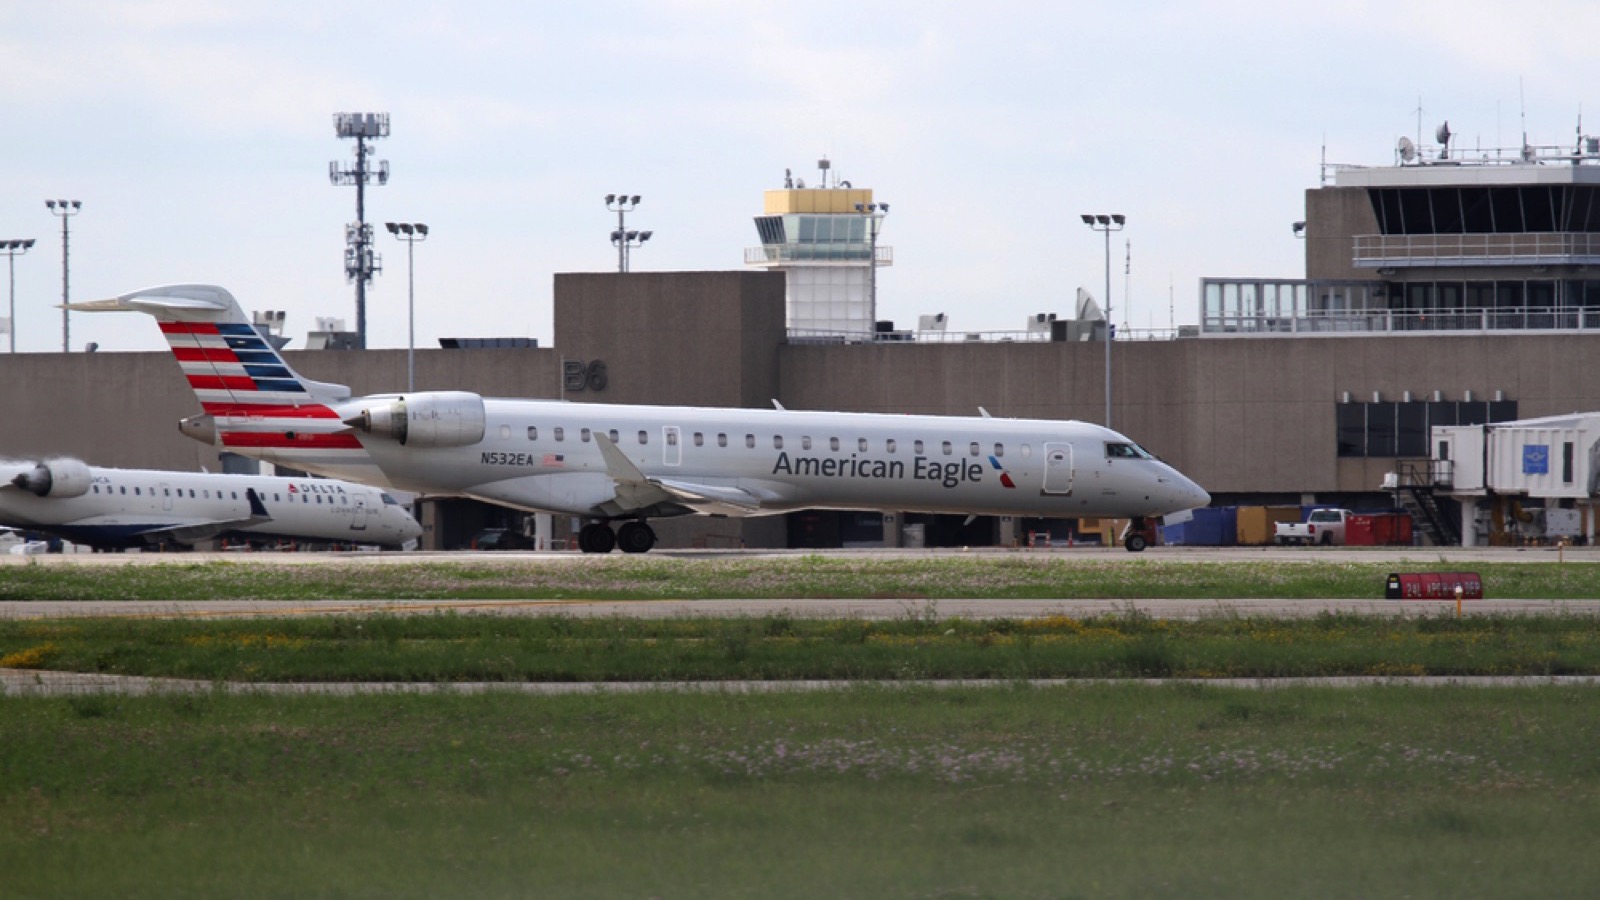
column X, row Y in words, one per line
column 1212, row 526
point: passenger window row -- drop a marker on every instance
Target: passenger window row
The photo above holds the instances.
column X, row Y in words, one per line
column 862, row 445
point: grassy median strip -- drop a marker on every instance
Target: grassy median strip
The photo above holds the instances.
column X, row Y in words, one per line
column 456, row 647
column 1001, row 576
column 1022, row 793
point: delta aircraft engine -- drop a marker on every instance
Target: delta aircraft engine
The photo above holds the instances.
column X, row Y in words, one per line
column 59, row 478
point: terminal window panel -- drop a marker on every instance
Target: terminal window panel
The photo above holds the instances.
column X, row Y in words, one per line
column 1400, row 429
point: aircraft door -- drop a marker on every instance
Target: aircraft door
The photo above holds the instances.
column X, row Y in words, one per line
column 358, row 522
column 671, row 445
column 1057, row 469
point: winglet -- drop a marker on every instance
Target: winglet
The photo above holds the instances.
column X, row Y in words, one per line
column 258, row 510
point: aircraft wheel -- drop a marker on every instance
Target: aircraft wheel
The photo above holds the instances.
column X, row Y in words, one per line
column 1134, row 543
column 596, row 537
column 636, row 537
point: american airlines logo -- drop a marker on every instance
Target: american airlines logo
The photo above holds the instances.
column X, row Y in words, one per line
column 949, row 474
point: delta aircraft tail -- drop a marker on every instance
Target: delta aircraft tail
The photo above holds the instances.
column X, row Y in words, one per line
column 253, row 402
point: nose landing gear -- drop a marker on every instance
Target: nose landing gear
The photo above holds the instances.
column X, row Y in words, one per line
column 1136, row 538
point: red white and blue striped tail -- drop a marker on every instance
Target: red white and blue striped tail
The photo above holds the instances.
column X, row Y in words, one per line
column 252, row 399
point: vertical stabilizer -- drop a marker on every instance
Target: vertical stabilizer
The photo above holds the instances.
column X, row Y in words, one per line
column 254, row 402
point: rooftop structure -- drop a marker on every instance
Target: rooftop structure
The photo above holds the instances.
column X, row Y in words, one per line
column 825, row 240
column 1440, row 240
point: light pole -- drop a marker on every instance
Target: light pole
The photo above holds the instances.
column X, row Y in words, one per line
column 874, row 213
column 1107, row 224
column 14, row 249
column 411, row 233
column 622, row 204
column 66, row 209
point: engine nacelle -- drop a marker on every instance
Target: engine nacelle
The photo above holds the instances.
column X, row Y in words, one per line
column 432, row 419
column 59, row 478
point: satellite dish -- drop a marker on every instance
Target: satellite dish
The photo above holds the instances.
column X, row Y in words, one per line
column 1443, row 133
column 1408, row 150
column 1087, row 309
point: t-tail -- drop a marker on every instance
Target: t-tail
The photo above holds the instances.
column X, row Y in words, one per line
column 253, row 402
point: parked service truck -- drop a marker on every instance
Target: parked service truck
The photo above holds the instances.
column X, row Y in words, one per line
column 1323, row 526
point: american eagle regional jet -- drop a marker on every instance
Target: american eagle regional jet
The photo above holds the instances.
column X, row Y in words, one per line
column 120, row 508
column 627, row 464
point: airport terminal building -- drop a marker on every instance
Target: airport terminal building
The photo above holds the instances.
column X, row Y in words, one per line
column 1440, row 291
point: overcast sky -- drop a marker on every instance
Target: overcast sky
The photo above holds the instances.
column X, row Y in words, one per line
column 198, row 136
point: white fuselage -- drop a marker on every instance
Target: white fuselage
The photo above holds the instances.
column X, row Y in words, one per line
column 543, row 455
column 131, row 507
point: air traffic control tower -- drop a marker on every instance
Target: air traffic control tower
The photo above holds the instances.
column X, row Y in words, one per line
column 825, row 241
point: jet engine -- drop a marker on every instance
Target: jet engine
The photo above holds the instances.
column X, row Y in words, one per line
column 432, row 419
column 60, row 478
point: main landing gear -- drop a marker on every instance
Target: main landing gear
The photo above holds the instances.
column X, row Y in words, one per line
column 1135, row 540
column 632, row 537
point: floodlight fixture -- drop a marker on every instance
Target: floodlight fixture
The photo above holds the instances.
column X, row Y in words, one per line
column 14, row 249
column 1107, row 224
column 412, row 234
column 65, row 209
column 622, row 204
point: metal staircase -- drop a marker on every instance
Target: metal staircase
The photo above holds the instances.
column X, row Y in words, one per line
column 1413, row 492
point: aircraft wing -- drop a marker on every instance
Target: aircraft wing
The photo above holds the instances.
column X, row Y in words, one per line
column 636, row 490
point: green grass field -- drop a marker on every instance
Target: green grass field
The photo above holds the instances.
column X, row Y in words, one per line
column 1005, row 575
column 1009, row 792
column 457, row 647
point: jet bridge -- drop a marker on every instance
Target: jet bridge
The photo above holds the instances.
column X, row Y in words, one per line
column 1531, row 479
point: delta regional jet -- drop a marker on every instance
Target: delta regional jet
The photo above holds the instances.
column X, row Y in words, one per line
column 627, row 464
column 122, row 508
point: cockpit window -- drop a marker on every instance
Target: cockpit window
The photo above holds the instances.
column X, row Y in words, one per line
column 389, row 501
column 1123, row 450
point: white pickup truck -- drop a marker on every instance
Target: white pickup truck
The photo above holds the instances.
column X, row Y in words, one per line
column 1323, row 526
